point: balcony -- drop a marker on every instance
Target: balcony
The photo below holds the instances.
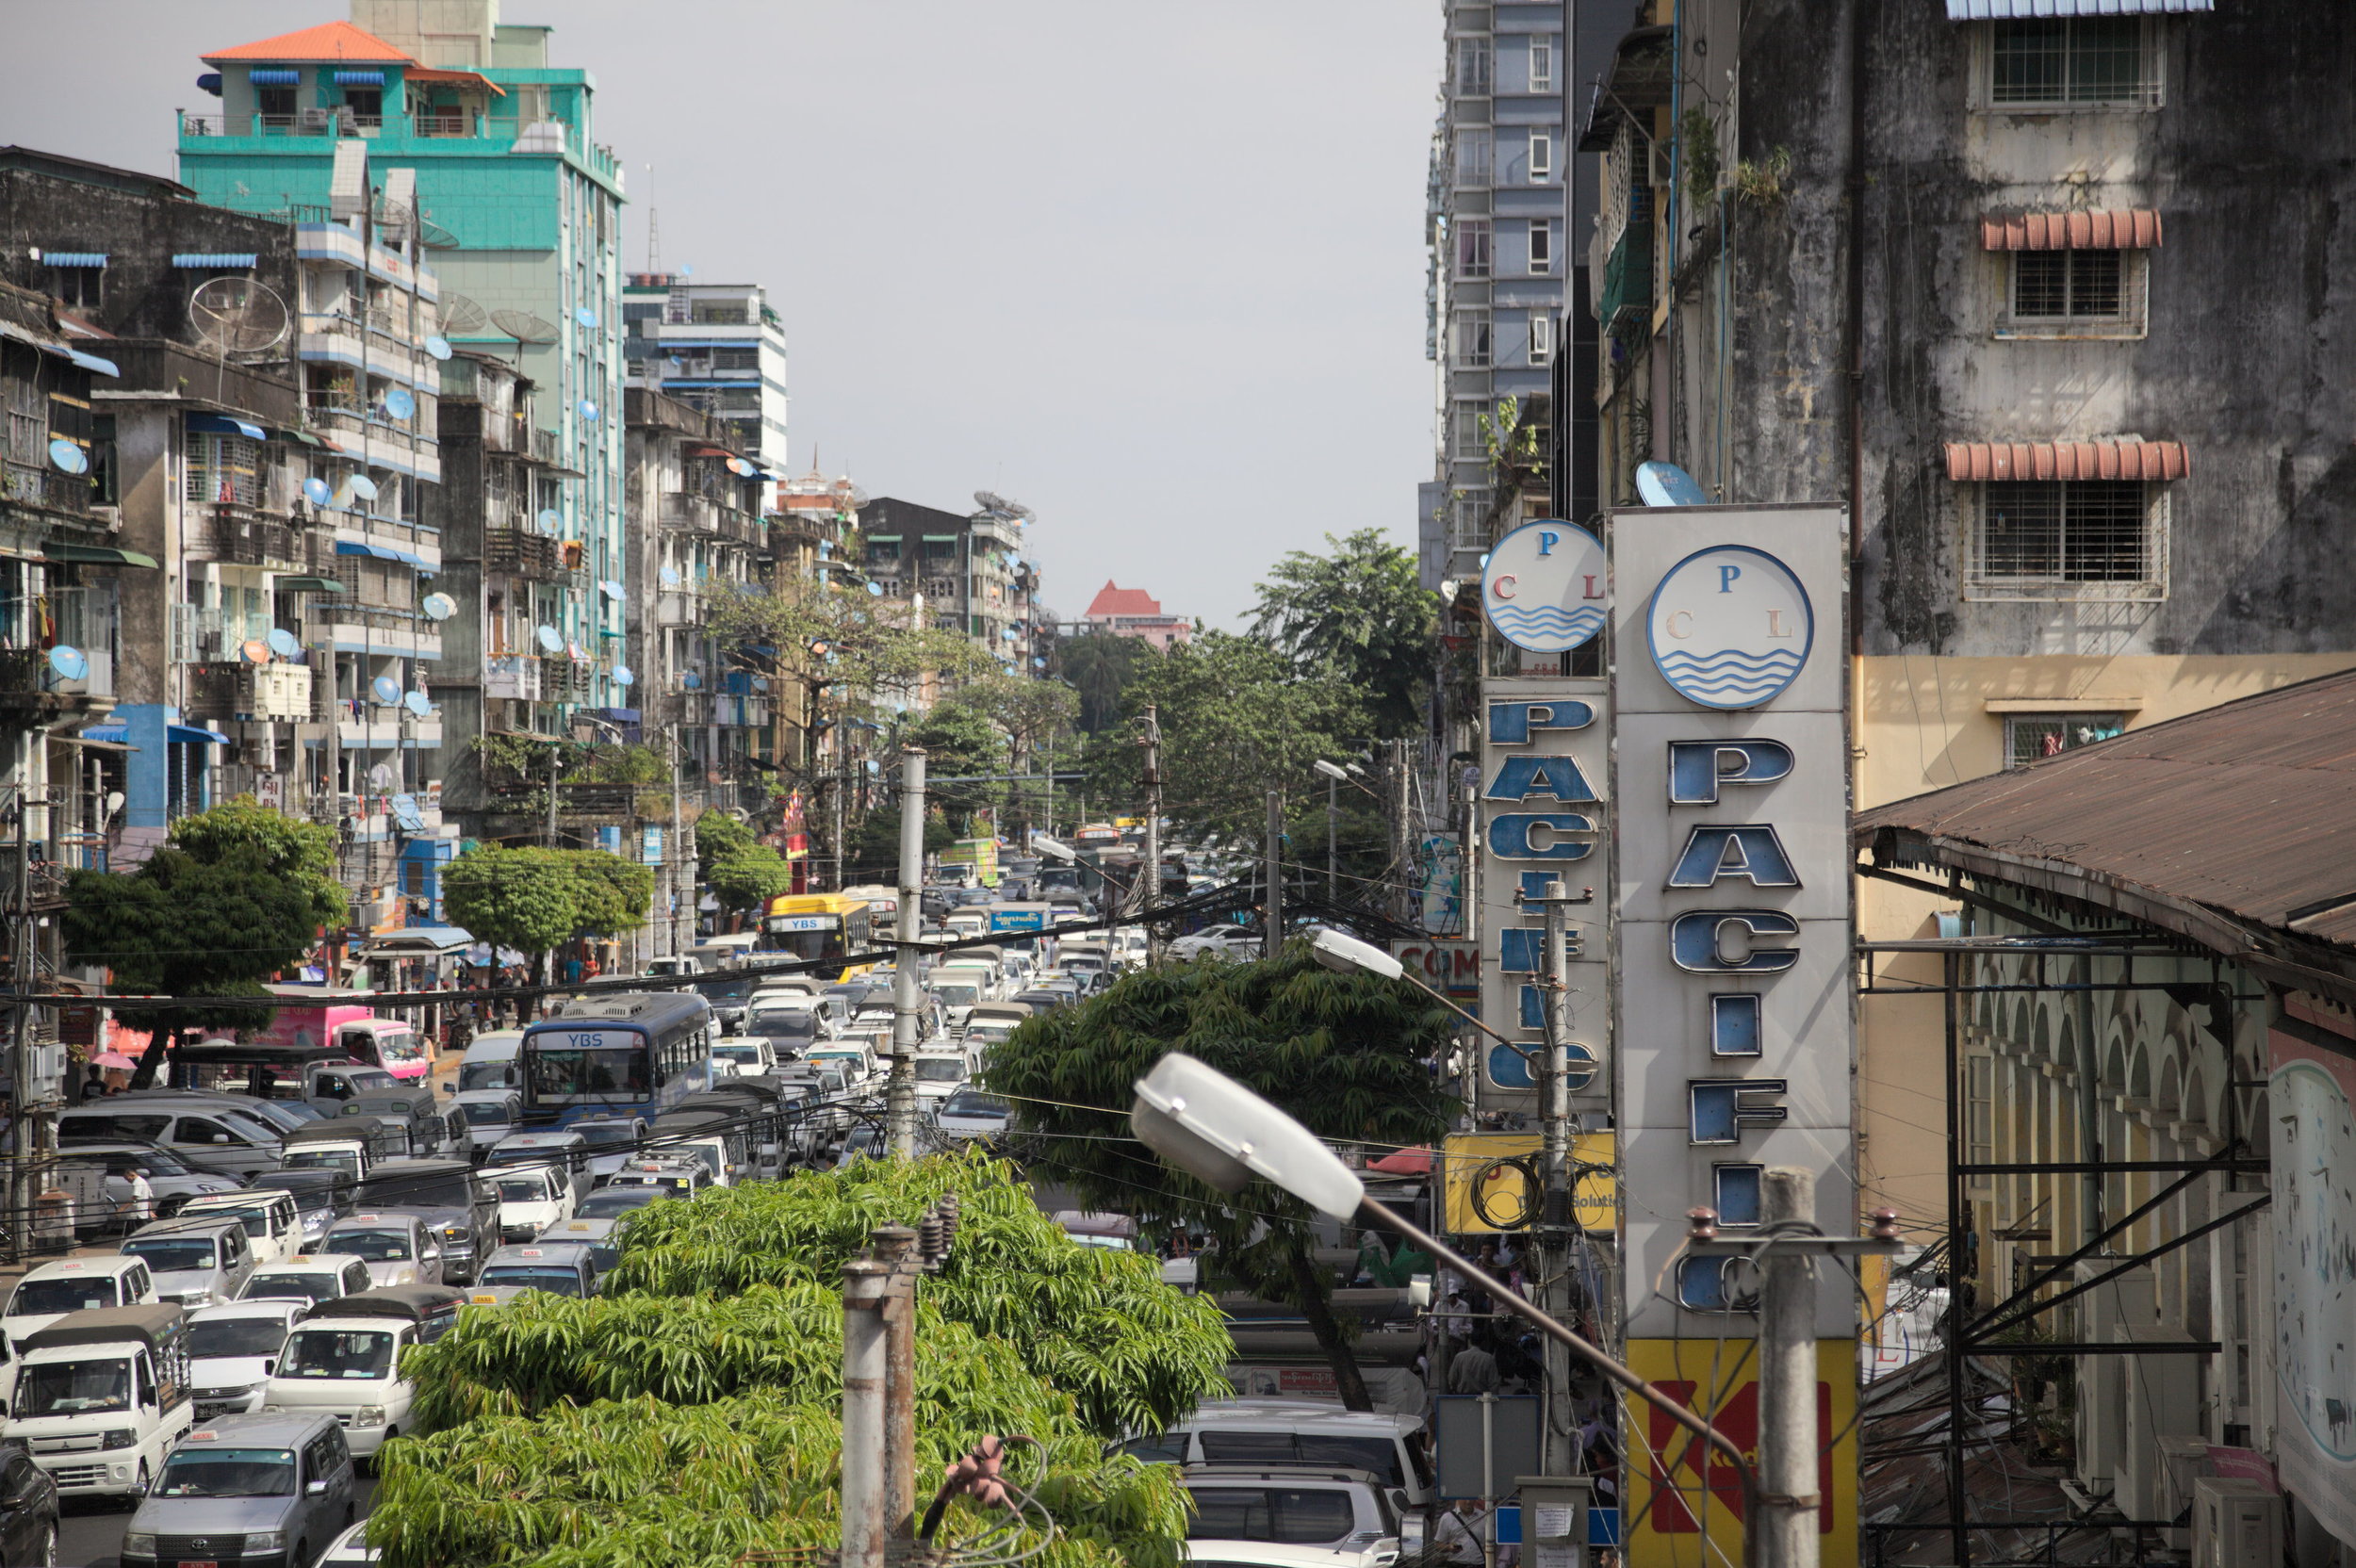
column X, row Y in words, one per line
column 1627, row 286
column 379, row 730
column 248, row 536
column 683, row 509
column 391, row 533
column 742, row 527
column 50, row 489
column 504, row 133
column 202, row 636
column 514, row 676
column 566, row 680
column 246, row 690
column 28, row 683
column 677, row 607
column 532, row 556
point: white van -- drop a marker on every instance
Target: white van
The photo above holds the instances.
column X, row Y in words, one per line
column 1308, row 1433
column 208, row 1135
column 856, row 1057
column 272, row 1219
column 345, row 1359
column 493, row 1061
column 531, row 1199
column 95, row 1378
column 197, row 1262
column 75, row 1284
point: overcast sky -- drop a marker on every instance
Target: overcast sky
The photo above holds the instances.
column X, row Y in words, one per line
column 1155, row 271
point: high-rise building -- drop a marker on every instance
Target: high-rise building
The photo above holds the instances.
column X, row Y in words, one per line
column 436, row 114
column 961, row 569
column 715, row 347
column 1498, row 233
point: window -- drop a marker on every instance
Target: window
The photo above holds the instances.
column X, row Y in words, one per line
column 1472, row 442
column 1541, row 157
column 1542, row 65
column 1473, row 59
column 2060, row 532
column 2033, row 737
column 366, row 104
column 2067, row 61
column 1472, row 248
column 1541, row 248
column 2074, row 285
column 275, row 103
column 79, row 287
column 1472, row 339
column 1475, row 159
column 1979, row 1116
column 1540, row 337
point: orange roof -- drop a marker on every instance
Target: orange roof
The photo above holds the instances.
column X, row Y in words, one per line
column 1981, row 460
column 1122, row 601
column 327, row 42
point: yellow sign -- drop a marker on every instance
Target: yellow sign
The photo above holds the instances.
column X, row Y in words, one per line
column 1486, row 1195
column 1675, row 1494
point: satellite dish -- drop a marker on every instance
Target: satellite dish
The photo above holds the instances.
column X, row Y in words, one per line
column 70, row 662
column 399, row 403
column 382, row 775
column 741, row 468
column 668, row 577
column 622, row 676
column 438, row 607
column 417, row 703
column 586, row 317
column 524, row 327
column 317, row 491
column 588, row 409
column 551, row 520
column 1666, row 485
column 550, row 640
column 257, row 650
column 438, row 347
column 388, row 690
column 239, row 317
column 692, row 680
column 433, row 236
column 68, row 456
column 283, row 643
column 877, row 589
column 362, row 486
column 462, row 316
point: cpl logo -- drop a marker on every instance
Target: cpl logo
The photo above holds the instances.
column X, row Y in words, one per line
column 1545, row 586
column 1730, row 626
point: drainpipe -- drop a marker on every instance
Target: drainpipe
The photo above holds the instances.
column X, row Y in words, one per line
column 1854, row 318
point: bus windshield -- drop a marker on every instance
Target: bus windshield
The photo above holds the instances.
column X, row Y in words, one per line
column 564, row 1072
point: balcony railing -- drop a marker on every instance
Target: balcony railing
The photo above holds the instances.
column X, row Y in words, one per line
column 28, row 484
column 521, row 554
column 245, row 536
column 515, row 675
column 543, row 136
column 1627, row 286
column 544, row 449
column 687, row 509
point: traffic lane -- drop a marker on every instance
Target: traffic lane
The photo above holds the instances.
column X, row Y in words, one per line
column 90, row 1530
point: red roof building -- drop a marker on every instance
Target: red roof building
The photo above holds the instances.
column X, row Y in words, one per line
column 327, row 44
column 1134, row 612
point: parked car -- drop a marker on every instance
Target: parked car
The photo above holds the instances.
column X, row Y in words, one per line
column 400, row 1248
column 29, row 1510
column 973, row 1114
column 276, row 1486
column 345, row 1360
column 233, row 1349
column 225, row 1141
column 1343, row 1511
column 312, row 1278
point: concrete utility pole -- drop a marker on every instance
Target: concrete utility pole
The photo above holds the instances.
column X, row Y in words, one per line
column 879, row 1390
column 1273, row 939
column 1152, row 890
column 1557, row 1221
column 1785, row 1533
column 1403, row 898
column 900, row 1092
column 677, row 856
column 23, row 1143
column 553, row 747
column 1333, row 815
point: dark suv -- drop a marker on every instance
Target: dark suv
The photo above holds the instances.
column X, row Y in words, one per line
column 445, row 1194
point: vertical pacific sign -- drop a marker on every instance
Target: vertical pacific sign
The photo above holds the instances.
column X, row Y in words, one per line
column 1732, row 935
column 1544, row 815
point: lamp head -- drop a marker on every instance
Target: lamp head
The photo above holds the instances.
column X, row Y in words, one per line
column 1056, row 847
column 1348, row 955
column 1329, row 770
column 1212, row 1127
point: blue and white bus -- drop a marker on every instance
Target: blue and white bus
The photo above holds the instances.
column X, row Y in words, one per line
column 629, row 1053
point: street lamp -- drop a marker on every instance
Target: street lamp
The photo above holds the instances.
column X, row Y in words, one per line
column 1057, row 849
column 1214, row 1129
column 1347, row 955
column 1335, row 777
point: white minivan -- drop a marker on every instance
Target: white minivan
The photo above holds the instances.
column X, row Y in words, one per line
column 493, row 1061
column 197, row 1261
column 272, row 1219
column 1300, row 1432
column 75, row 1284
column 103, row 1396
column 345, row 1359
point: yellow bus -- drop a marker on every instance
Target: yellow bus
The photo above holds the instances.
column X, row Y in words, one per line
column 828, row 927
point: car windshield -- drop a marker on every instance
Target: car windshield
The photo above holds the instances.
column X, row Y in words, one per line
column 487, row 1113
column 559, row 1071
column 485, row 1075
column 418, row 1190
column 290, row 1287
column 70, row 1388
column 974, row 1103
column 607, row 1202
column 934, row 1069
column 236, row 1337
column 556, row 1282
column 354, row 1353
column 957, row 996
column 1379, row 1455
column 607, row 1134
column 376, row 1245
column 1293, row 1517
column 323, row 1159
column 40, row 1296
column 523, row 1189
column 743, row 1056
column 210, row 1472
column 172, row 1254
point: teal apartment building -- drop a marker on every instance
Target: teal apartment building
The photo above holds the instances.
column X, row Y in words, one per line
column 436, row 112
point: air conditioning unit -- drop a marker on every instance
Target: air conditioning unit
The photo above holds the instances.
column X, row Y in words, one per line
column 1660, row 162
column 312, row 119
column 2236, row 1524
column 2105, row 1315
column 107, row 517
column 2162, row 1400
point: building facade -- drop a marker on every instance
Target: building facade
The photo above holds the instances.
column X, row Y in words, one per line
column 715, row 347
column 959, row 572
column 1134, row 612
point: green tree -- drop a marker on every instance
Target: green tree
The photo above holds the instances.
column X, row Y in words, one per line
column 748, row 878
column 302, row 852
column 875, row 855
column 525, row 899
column 611, row 895
column 690, row 1414
column 1344, row 1052
column 1359, row 614
column 960, row 740
column 865, row 647
column 1098, row 666
column 717, row 837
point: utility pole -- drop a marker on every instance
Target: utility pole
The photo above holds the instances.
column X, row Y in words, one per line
column 553, row 746
column 1274, row 937
column 22, row 1144
column 1556, row 1218
column 1785, row 1530
column 680, row 898
column 1333, row 814
column 1153, row 829
column 1402, row 841
column 900, row 1091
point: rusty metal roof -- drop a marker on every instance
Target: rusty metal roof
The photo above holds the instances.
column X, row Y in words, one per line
column 1975, row 461
column 2246, row 809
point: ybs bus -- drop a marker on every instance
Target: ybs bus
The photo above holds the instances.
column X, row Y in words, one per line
column 828, row 927
column 634, row 1054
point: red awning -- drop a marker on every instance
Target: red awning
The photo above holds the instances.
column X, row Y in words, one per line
column 2007, row 460
column 1407, row 1162
column 2118, row 229
column 709, row 451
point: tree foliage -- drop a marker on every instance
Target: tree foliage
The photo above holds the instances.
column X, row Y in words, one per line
column 872, row 652
column 1359, row 614
column 302, row 852
column 717, row 837
column 746, row 879
column 611, row 895
column 1098, row 666
column 875, row 855
column 1344, row 1054
column 532, row 899
column 691, row 1415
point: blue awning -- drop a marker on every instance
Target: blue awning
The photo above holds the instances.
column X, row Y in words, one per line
column 191, row 734
column 359, row 78
column 409, row 820
column 225, row 424
column 213, row 258
column 272, row 75
column 2008, row 10
column 382, row 552
column 115, row 734
column 93, row 363
column 73, row 258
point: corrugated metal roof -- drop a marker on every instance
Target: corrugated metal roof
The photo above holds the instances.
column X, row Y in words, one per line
column 2004, row 11
column 209, row 259
column 1977, row 461
column 2116, row 229
column 330, row 43
column 2244, row 808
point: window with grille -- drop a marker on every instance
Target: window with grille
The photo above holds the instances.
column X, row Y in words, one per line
column 1473, row 63
column 1542, row 65
column 1472, row 248
column 1541, row 248
column 2033, row 737
column 1472, row 443
column 1472, row 339
column 224, row 468
column 2065, row 290
column 1541, row 157
column 1476, row 157
column 79, row 287
column 2059, row 533
column 2073, row 60
column 1980, row 1116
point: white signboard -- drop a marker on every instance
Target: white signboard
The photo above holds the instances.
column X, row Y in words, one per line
column 1545, row 586
column 803, row 922
column 1732, row 894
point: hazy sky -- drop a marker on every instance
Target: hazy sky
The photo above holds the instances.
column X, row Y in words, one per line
column 1155, row 271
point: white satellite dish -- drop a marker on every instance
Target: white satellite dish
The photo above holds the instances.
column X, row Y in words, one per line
column 239, row 317
column 462, row 316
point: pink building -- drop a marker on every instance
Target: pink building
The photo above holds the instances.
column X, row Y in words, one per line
column 1134, row 612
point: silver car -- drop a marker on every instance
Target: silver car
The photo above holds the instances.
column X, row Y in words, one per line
column 274, row 1488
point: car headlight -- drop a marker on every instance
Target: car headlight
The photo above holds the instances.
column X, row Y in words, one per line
column 120, row 1437
column 196, row 1297
column 266, row 1541
column 141, row 1542
column 368, row 1416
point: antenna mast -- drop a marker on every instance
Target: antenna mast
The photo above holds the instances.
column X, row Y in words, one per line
column 654, row 226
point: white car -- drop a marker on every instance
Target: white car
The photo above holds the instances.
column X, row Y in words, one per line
column 75, row 1284
column 352, row 1548
column 233, row 1349
column 970, row 1114
column 401, row 1248
column 531, row 1199
column 491, row 1115
column 1216, row 941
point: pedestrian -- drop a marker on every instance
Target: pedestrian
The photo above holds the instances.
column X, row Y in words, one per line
column 94, row 1086
column 572, row 969
column 1463, row 1532
column 137, row 1205
column 1473, row 1369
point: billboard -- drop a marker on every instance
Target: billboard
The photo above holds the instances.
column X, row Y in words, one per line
column 2310, row 1090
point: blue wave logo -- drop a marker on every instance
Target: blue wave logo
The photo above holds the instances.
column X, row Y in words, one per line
column 1531, row 626
column 1730, row 676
